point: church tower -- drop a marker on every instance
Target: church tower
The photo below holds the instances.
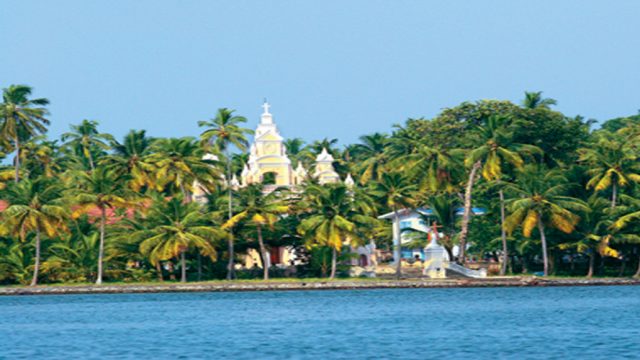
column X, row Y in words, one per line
column 325, row 173
column 268, row 162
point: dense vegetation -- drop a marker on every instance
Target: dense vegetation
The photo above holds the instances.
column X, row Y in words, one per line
column 560, row 197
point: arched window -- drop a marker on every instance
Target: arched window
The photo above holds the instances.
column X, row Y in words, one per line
column 269, row 178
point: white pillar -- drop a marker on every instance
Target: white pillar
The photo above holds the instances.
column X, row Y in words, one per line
column 396, row 241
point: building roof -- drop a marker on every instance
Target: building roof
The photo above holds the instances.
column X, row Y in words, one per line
column 94, row 212
column 429, row 212
column 324, row 156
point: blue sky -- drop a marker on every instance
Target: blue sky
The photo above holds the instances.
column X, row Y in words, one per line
column 335, row 69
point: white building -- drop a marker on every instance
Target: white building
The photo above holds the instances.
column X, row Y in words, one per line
column 417, row 220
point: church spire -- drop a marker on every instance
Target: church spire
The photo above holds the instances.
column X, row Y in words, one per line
column 266, row 117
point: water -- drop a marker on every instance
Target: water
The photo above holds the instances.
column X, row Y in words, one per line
column 518, row 323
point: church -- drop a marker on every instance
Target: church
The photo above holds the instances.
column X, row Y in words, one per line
column 270, row 165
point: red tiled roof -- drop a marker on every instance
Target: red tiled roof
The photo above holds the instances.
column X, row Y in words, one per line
column 93, row 213
column 112, row 217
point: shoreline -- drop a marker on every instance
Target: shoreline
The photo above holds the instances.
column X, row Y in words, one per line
column 340, row 284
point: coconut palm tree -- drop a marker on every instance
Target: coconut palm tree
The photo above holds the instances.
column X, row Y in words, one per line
column 613, row 163
column 317, row 146
column 224, row 131
column 403, row 142
column 178, row 164
column 628, row 220
column 534, row 100
column 238, row 162
column 16, row 263
column 131, row 160
column 596, row 233
column 298, row 152
column 259, row 210
column 21, row 118
column 35, row 206
column 434, row 170
column 104, row 190
column 539, row 200
column 75, row 256
column 85, row 139
column 370, row 156
column 495, row 149
column 40, row 157
column 178, row 226
column 395, row 191
column 336, row 215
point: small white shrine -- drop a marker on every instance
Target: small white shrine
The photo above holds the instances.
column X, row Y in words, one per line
column 436, row 259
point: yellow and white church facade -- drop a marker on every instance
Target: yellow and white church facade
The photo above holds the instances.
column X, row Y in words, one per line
column 268, row 155
column 270, row 165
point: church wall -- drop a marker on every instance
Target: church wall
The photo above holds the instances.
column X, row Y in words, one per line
column 283, row 174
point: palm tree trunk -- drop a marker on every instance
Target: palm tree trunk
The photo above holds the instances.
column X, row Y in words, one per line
column 263, row 251
column 231, row 274
column 614, row 195
column 230, row 266
column 323, row 267
column 449, row 249
column 183, row 267
column 637, row 274
column 543, row 240
column 334, row 263
column 103, row 220
column 36, row 268
column 466, row 216
column 91, row 166
column 17, row 162
column 592, row 259
column 398, row 246
column 503, row 234
column 199, row 267
column 159, row 271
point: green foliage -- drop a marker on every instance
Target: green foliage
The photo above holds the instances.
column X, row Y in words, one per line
column 616, row 124
column 336, row 216
column 613, row 161
column 85, row 142
column 21, row 118
column 131, row 160
column 534, row 100
column 71, row 204
column 224, row 130
column 175, row 227
column 16, row 263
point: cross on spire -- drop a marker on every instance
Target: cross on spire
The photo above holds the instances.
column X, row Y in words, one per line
column 266, row 106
